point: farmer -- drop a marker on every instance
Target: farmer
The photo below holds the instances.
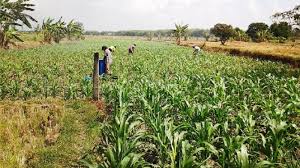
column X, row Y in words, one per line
column 131, row 49
column 112, row 48
column 107, row 58
column 197, row 50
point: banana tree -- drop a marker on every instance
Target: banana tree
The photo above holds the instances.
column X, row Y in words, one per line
column 264, row 35
column 9, row 36
column 47, row 29
column 180, row 31
column 52, row 30
column 59, row 30
column 13, row 14
column 119, row 143
column 74, row 29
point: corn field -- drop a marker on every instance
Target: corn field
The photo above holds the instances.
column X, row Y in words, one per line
column 169, row 108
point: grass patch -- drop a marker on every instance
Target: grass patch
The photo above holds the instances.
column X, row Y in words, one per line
column 46, row 133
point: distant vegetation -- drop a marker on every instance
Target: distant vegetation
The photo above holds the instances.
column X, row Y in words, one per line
column 57, row 30
column 14, row 14
column 180, row 31
column 286, row 26
column 155, row 33
column 223, row 31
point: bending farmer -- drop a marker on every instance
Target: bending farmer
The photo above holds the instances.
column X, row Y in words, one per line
column 197, row 50
column 107, row 58
column 112, row 48
column 131, row 49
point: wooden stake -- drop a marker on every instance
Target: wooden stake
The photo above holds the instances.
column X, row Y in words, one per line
column 96, row 77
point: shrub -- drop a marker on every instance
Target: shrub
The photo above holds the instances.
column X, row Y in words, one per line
column 223, row 31
column 282, row 29
column 255, row 31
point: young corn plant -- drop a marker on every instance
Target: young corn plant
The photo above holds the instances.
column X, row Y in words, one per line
column 86, row 88
column 4, row 91
column 242, row 157
column 205, row 135
column 174, row 141
column 188, row 155
column 71, row 92
column 54, row 89
column 16, row 88
column 277, row 134
column 246, row 123
column 175, row 152
column 230, row 143
column 120, row 140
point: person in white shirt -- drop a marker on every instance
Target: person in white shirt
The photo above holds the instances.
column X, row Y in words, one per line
column 108, row 58
column 197, row 50
column 131, row 49
column 112, row 48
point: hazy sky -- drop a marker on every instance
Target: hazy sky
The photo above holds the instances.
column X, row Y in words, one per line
column 159, row 14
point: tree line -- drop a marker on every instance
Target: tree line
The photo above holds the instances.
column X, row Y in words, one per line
column 14, row 15
column 286, row 26
column 150, row 33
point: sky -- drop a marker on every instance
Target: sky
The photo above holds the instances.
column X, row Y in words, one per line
column 113, row 15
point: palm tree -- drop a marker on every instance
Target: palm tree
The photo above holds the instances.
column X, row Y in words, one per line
column 13, row 14
column 179, row 32
column 9, row 36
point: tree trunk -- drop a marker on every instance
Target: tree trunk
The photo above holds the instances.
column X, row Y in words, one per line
column 5, row 41
column 1, row 39
column 179, row 41
column 69, row 36
column 185, row 38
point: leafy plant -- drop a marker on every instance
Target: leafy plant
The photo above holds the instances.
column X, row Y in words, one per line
column 223, row 31
column 13, row 14
column 179, row 32
column 58, row 30
column 74, row 30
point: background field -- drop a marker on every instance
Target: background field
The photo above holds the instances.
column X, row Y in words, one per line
column 290, row 49
column 288, row 52
column 181, row 104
